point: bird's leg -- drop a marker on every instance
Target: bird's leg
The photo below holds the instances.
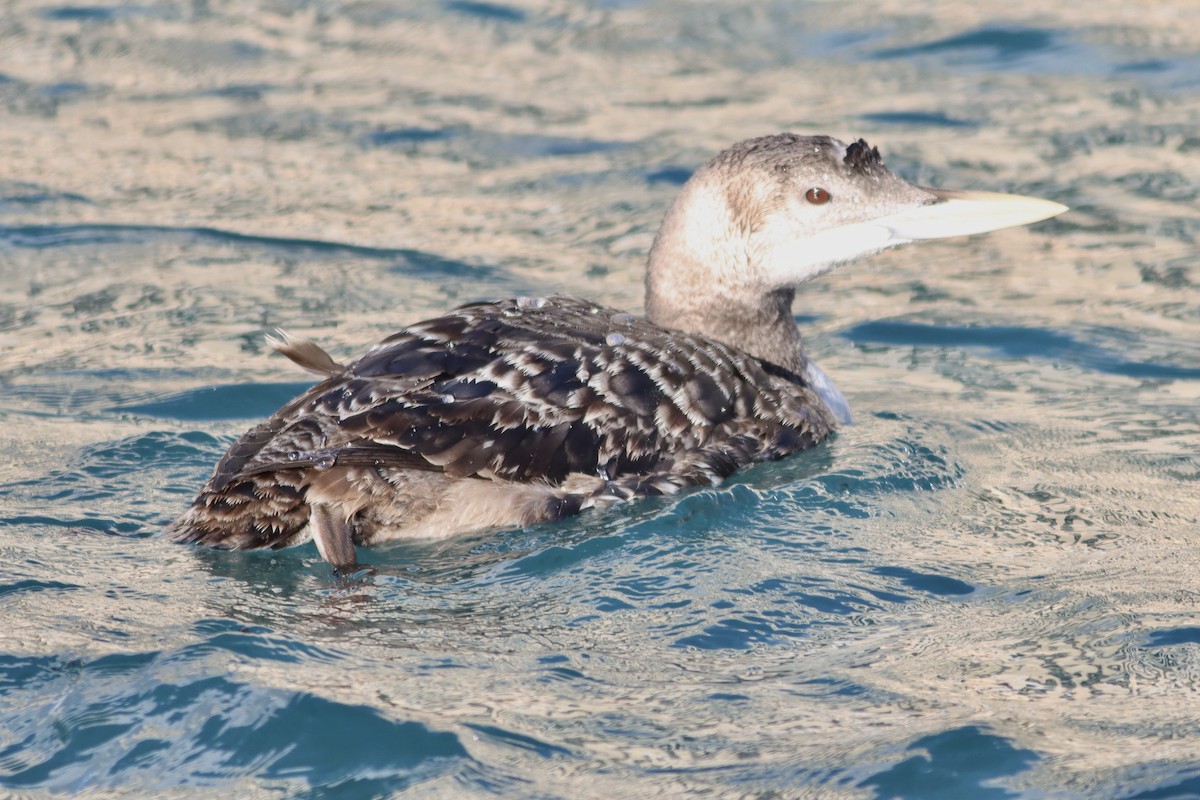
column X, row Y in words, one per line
column 331, row 531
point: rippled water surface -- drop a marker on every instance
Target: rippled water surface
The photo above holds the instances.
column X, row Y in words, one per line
column 986, row 587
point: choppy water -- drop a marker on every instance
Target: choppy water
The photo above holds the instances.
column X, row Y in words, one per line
column 985, row 588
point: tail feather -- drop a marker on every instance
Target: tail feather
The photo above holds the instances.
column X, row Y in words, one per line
column 305, row 353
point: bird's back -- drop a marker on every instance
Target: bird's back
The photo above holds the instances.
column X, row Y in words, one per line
column 581, row 402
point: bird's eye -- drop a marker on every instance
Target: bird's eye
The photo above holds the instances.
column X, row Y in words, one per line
column 817, row 196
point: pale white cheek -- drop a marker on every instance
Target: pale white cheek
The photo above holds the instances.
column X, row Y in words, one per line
column 791, row 260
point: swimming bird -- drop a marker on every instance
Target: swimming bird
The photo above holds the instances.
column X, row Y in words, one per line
column 507, row 413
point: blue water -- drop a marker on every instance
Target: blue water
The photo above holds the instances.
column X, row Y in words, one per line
column 984, row 588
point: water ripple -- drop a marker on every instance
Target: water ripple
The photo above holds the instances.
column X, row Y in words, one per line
column 50, row 236
column 1014, row 342
column 136, row 720
column 963, row 762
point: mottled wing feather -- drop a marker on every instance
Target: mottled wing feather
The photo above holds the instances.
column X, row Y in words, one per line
column 520, row 391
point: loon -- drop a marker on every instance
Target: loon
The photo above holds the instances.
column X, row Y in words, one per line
column 508, row 413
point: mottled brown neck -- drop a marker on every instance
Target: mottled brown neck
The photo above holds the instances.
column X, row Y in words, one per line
column 764, row 329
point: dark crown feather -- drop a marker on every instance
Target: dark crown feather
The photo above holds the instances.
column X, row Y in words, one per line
column 861, row 157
